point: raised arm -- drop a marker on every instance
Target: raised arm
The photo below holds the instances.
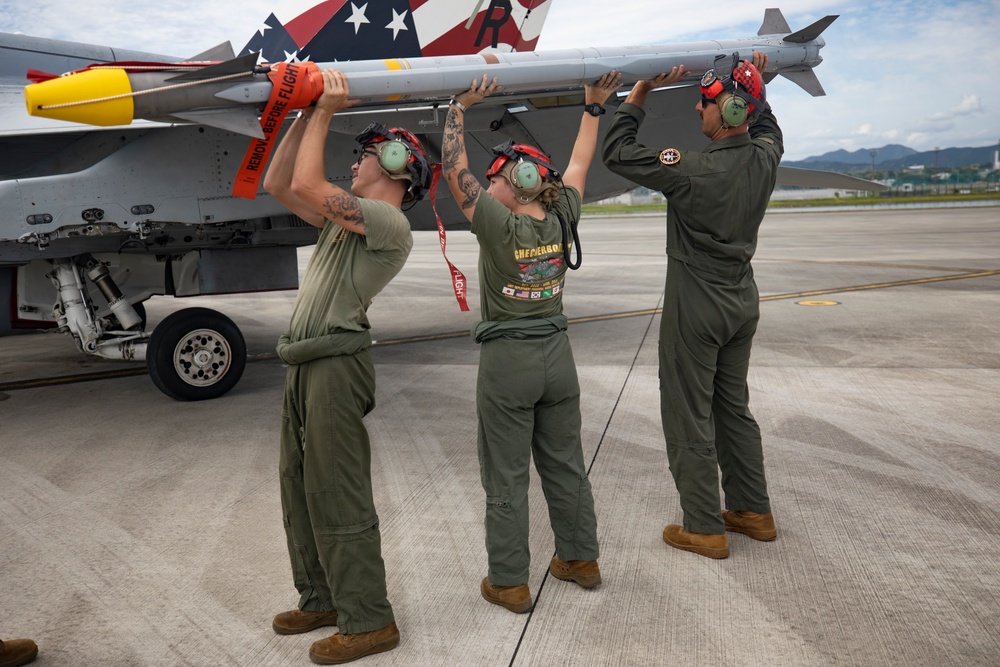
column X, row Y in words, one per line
column 278, row 180
column 765, row 124
column 623, row 154
column 586, row 138
column 309, row 182
column 463, row 184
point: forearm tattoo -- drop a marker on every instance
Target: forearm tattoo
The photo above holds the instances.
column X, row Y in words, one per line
column 470, row 187
column 453, row 141
column 344, row 206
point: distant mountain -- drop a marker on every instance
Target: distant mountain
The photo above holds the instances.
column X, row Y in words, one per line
column 894, row 157
column 863, row 155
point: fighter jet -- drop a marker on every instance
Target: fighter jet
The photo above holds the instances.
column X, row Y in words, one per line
column 101, row 209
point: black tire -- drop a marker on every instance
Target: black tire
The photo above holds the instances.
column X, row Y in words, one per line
column 196, row 354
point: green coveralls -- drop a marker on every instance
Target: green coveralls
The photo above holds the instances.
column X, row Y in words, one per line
column 716, row 201
column 325, row 465
column 527, row 393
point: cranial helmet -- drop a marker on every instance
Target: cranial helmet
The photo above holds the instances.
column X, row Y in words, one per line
column 401, row 156
column 741, row 90
column 528, row 169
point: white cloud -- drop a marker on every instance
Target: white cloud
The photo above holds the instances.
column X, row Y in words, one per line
column 970, row 105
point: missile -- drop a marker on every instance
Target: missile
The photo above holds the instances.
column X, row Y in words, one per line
column 231, row 94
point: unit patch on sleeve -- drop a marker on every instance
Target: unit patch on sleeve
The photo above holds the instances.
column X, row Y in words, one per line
column 670, row 156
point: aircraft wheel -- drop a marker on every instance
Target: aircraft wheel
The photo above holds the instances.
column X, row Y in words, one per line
column 196, row 354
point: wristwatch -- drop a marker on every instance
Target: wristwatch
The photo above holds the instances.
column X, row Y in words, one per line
column 594, row 109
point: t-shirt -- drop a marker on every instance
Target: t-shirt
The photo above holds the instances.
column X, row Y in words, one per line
column 522, row 272
column 347, row 270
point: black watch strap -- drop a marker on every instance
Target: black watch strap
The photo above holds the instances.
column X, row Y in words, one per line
column 594, row 109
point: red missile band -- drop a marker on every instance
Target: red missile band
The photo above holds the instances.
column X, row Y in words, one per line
column 293, row 86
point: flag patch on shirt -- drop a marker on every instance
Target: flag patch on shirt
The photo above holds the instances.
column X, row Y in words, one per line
column 670, row 156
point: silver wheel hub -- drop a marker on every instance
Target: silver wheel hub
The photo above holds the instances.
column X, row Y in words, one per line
column 202, row 357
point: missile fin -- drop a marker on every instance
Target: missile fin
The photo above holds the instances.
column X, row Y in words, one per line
column 239, row 120
column 223, row 51
column 245, row 63
column 805, row 79
column 812, row 31
column 774, row 23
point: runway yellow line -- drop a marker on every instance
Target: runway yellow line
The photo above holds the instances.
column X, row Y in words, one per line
column 129, row 372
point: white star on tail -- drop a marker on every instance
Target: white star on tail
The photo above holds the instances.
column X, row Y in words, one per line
column 357, row 16
column 398, row 23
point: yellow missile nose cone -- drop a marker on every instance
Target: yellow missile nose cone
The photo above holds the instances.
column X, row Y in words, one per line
column 75, row 98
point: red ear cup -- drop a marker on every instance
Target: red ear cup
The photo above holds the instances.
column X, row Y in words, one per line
column 711, row 85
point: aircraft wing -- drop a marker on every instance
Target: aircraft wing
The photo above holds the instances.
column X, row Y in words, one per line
column 814, row 178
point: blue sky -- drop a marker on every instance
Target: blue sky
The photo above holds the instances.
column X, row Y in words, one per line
column 916, row 73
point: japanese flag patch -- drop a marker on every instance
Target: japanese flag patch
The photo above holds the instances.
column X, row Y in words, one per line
column 670, row 156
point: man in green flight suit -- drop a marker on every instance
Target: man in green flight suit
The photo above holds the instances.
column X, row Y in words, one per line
column 716, row 200
column 325, row 464
column 527, row 392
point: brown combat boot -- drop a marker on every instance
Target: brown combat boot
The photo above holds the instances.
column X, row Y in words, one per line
column 583, row 572
column 297, row 621
column 515, row 598
column 758, row 526
column 17, row 652
column 712, row 546
column 338, row 648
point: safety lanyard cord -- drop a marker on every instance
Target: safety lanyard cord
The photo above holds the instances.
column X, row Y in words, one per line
column 458, row 282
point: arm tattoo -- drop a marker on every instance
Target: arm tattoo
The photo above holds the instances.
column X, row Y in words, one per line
column 469, row 186
column 453, row 141
column 343, row 206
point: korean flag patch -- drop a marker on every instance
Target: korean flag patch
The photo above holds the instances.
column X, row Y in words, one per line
column 670, row 156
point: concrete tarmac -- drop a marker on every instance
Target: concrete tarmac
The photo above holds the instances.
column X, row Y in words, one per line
column 136, row 530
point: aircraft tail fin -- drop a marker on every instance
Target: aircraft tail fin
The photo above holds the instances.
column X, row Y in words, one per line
column 332, row 30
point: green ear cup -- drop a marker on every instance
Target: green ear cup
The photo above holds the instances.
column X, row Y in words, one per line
column 393, row 156
column 525, row 175
column 734, row 111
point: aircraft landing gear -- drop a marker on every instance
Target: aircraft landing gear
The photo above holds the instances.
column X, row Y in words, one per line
column 196, row 354
column 192, row 355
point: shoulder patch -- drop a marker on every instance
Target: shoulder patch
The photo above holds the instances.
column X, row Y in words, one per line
column 768, row 140
column 670, row 156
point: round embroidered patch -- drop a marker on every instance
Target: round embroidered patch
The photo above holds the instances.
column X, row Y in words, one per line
column 670, row 156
